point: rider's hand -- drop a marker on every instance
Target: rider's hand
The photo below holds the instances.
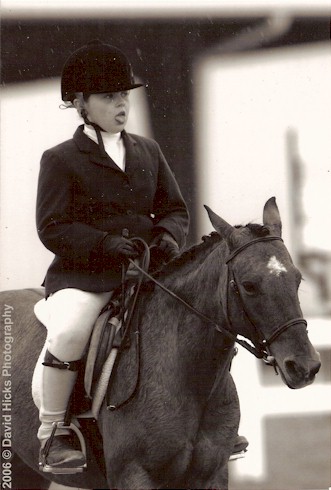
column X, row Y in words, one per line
column 164, row 248
column 118, row 247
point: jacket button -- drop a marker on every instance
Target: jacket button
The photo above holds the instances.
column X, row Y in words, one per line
column 129, row 212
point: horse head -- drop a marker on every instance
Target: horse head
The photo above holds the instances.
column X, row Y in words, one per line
column 262, row 296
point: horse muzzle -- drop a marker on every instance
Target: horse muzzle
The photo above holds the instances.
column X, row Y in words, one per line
column 299, row 371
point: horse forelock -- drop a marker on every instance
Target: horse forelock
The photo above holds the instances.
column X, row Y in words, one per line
column 256, row 230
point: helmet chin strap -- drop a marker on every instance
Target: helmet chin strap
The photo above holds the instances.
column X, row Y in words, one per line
column 97, row 129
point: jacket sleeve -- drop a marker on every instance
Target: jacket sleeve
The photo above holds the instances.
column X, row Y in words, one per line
column 170, row 209
column 56, row 227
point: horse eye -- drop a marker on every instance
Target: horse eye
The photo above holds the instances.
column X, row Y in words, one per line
column 298, row 277
column 249, row 287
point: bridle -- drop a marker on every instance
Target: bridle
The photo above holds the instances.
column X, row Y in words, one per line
column 262, row 350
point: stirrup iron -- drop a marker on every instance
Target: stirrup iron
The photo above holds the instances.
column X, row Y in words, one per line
column 47, row 468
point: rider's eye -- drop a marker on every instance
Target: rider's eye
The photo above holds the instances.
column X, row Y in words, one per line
column 250, row 287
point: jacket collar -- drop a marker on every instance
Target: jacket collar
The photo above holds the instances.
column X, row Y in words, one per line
column 86, row 145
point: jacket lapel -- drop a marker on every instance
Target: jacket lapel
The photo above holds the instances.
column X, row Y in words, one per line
column 132, row 156
column 86, row 145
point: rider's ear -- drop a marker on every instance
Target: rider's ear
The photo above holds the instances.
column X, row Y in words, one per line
column 78, row 103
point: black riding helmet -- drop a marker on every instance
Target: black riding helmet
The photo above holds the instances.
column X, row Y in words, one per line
column 96, row 68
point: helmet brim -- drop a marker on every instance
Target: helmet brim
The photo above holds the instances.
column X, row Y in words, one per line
column 96, row 68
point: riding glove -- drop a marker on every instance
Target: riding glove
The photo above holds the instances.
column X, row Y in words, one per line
column 164, row 248
column 118, row 247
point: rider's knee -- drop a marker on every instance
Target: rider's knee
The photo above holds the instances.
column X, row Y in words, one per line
column 68, row 345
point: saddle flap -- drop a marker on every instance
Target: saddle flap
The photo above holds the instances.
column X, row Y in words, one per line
column 102, row 337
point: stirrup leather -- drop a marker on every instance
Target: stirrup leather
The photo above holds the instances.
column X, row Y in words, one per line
column 47, row 468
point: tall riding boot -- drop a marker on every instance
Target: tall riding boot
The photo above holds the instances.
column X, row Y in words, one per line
column 56, row 387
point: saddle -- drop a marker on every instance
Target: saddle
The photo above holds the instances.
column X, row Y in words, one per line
column 111, row 336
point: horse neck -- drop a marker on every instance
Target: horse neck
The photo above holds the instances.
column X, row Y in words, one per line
column 191, row 347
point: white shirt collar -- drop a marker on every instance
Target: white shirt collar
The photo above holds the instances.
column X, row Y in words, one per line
column 106, row 137
column 113, row 144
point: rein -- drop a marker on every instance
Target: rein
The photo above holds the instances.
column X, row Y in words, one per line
column 263, row 350
column 195, row 311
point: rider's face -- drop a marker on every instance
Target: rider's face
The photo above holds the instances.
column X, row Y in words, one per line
column 109, row 110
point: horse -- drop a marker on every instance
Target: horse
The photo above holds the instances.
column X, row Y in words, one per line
column 177, row 426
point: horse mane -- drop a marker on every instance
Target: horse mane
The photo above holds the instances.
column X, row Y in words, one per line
column 198, row 251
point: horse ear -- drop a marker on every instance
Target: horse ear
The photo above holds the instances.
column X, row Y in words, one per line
column 220, row 225
column 271, row 217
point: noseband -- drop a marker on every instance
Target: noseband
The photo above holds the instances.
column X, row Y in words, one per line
column 262, row 350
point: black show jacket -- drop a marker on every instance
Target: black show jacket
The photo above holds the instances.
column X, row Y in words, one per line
column 83, row 196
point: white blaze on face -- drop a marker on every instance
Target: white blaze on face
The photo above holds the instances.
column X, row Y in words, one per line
column 275, row 266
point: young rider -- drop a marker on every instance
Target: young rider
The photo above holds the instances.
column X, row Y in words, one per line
column 95, row 191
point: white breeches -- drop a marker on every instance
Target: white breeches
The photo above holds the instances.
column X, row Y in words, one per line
column 69, row 316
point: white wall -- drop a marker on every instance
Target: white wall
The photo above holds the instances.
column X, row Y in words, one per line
column 245, row 105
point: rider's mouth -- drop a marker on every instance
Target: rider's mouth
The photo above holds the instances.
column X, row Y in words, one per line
column 120, row 117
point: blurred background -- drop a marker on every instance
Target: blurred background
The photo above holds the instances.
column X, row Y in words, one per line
column 237, row 94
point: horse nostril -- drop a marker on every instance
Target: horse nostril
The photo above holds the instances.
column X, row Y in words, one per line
column 316, row 367
column 298, row 369
column 291, row 368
